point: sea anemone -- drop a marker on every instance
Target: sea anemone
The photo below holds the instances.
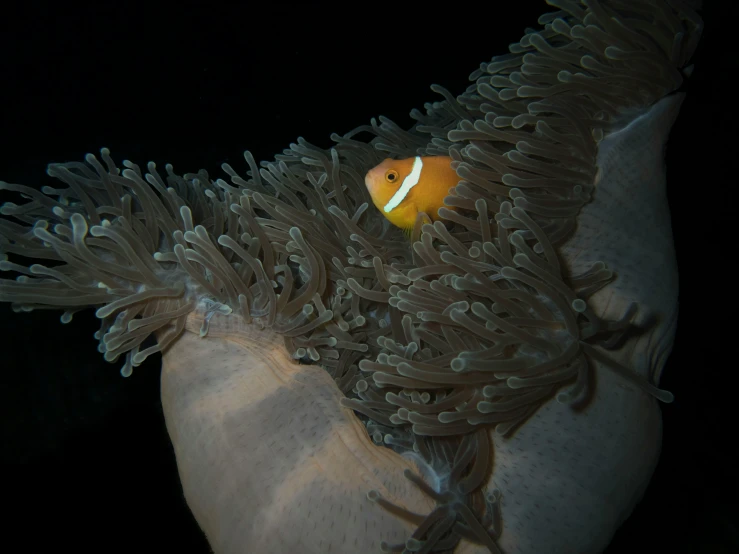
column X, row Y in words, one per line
column 409, row 383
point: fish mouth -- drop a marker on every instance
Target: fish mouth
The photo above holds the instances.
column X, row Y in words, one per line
column 371, row 183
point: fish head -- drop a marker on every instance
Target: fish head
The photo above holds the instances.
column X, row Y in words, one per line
column 382, row 182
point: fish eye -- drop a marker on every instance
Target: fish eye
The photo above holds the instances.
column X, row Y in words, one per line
column 391, row 176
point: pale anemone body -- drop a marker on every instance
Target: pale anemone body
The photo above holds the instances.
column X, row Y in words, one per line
column 452, row 352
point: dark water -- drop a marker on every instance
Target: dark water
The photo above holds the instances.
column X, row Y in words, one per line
column 86, row 457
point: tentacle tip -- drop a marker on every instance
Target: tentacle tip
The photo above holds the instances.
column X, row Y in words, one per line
column 664, row 396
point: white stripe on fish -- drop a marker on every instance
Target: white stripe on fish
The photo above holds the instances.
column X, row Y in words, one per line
column 408, row 183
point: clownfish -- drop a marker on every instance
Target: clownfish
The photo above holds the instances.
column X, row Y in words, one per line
column 402, row 188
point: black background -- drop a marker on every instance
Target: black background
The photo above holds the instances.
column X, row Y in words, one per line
column 87, row 463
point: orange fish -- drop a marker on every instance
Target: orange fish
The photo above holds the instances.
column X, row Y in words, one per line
column 402, row 188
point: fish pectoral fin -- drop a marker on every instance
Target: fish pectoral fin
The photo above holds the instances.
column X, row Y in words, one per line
column 421, row 219
column 408, row 231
